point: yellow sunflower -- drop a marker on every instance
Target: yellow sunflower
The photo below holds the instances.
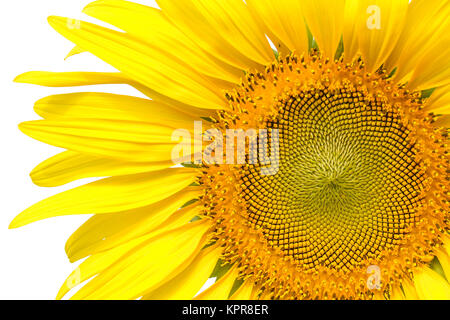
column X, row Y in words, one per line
column 358, row 207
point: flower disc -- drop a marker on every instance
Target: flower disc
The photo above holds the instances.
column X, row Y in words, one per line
column 350, row 190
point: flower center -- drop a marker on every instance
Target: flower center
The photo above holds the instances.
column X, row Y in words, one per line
column 360, row 185
column 347, row 184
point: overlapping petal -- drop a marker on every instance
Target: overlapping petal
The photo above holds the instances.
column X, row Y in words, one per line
column 143, row 62
column 105, row 231
column 325, row 19
column 376, row 30
column 140, row 271
column 222, row 288
column 224, row 28
column 189, row 282
column 69, row 166
column 283, row 22
column 425, row 25
column 110, row 195
column 151, row 26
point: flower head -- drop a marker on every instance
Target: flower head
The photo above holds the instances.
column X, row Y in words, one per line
column 341, row 189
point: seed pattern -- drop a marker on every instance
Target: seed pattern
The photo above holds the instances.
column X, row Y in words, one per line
column 363, row 180
column 347, row 182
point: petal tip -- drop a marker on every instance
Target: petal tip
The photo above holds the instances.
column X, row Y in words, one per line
column 57, row 22
column 23, row 78
column 24, row 127
column 62, row 292
column 16, row 223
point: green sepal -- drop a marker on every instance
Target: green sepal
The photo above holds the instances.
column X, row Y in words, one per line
column 220, row 269
column 436, row 266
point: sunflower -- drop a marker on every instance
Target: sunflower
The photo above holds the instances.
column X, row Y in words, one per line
column 358, row 206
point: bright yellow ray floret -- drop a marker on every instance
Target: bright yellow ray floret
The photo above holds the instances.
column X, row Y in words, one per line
column 359, row 92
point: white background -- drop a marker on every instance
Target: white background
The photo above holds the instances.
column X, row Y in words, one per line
column 33, row 263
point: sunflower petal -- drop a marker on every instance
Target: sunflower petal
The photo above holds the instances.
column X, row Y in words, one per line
column 110, row 195
column 439, row 102
column 409, row 291
column 71, row 79
column 377, row 28
column 325, row 19
column 397, row 294
column 433, row 69
column 144, row 63
column 444, row 260
column 75, row 50
column 350, row 35
column 148, row 266
column 125, row 140
column 443, row 121
column 150, row 25
column 224, row 28
column 187, row 284
column 443, row 256
column 69, row 166
column 425, row 25
column 103, row 232
column 97, row 263
column 222, row 288
column 74, row 79
column 96, row 105
column 431, row 286
column 245, row 292
column 283, row 22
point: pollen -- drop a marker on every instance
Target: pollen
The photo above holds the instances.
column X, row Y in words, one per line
column 361, row 181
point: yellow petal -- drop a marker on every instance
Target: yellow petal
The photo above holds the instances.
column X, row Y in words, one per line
column 397, row 294
column 144, row 63
column 443, row 121
column 377, row 28
column 75, row 50
column 439, row 102
column 124, row 140
column 222, row 288
column 97, row 263
column 69, row 166
column 187, row 284
column 325, row 19
column 283, row 21
column 350, row 35
column 424, row 26
column 96, row 105
column 71, row 79
column 443, row 256
column 148, row 266
column 433, row 69
column 224, row 28
column 150, row 25
column 245, row 292
column 102, row 129
column 110, row 195
column 431, row 286
column 410, row 291
column 103, row 232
